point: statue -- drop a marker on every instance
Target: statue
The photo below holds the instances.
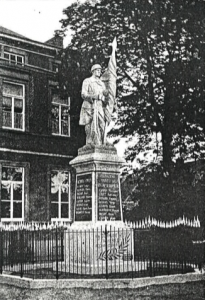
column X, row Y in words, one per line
column 99, row 93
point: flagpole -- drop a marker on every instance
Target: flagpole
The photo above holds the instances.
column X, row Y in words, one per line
column 112, row 62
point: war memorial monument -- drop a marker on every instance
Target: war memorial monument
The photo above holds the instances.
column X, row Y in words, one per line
column 98, row 207
column 97, row 165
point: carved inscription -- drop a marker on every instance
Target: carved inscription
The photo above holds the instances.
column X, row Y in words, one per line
column 108, row 196
column 83, row 208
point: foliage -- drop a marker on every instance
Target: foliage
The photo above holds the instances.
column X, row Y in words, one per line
column 160, row 69
column 170, row 245
column 153, row 195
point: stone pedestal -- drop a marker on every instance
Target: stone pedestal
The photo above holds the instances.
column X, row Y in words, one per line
column 98, row 241
column 98, row 193
column 100, row 249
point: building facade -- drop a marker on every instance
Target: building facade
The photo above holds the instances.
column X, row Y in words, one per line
column 37, row 135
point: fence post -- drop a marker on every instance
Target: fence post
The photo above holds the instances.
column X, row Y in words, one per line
column 1, row 251
column 106, row 257
column 150, row 255
column 132, row 248
column 33, row 250
column 57, row 275
column 62, row 244
column 168, row 266
column 21, row 251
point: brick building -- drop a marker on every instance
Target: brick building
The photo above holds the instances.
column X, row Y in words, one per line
column 37, row 135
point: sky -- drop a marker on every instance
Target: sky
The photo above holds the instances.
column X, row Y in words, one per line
column 35, row 19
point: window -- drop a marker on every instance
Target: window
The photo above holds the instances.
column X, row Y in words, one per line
column 60, row 115
column 12, row 193
column 13, row 105
column 14, row 58
column 55, row 67
column 60, row 194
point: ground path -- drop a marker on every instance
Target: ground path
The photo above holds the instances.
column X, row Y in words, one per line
column 185, row 291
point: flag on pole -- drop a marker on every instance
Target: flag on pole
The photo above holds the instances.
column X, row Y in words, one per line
column 109, row 77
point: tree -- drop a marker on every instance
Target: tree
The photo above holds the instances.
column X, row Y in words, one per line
column 160, row 60
column 151, row 198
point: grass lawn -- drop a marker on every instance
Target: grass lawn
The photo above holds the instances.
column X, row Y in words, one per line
column 186, row 291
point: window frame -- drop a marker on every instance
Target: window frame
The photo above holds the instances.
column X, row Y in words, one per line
column 60, row 105
column 16, row 58
column 12, row 106
column 12, row 219
column 59, row 218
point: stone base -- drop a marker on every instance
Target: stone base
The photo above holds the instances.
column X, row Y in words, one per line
column 112, row 267
column 98, row 154
column 99, row 249
column 98, row 193
column 107, row 149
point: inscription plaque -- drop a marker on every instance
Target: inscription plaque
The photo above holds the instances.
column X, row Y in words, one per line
column 83, row 204
column 108, row 196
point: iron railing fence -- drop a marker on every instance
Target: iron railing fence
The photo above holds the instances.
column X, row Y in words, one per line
column 104, row 252
column 174, row 250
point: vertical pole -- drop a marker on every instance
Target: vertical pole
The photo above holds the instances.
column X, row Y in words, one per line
column 81, row 253
column 89, row 268
column 48, row 244
column 69, row 249
column 1, row 251
column 21, row 250
column 97, row 257
column 150, row 256
column 33, row 250
column 39, row 248
column 123, row 255
column 114, row 246
column 77, row 252
column 62, row 245
column 110, row 243
column 93, row 254
column 101, row 241
column 168, row 267
column 132, row 249
column 85, row 251
column 12, row 237
column 57, row 275
column 106, row 257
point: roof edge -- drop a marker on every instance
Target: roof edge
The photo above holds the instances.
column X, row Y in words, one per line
column 30, row 41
